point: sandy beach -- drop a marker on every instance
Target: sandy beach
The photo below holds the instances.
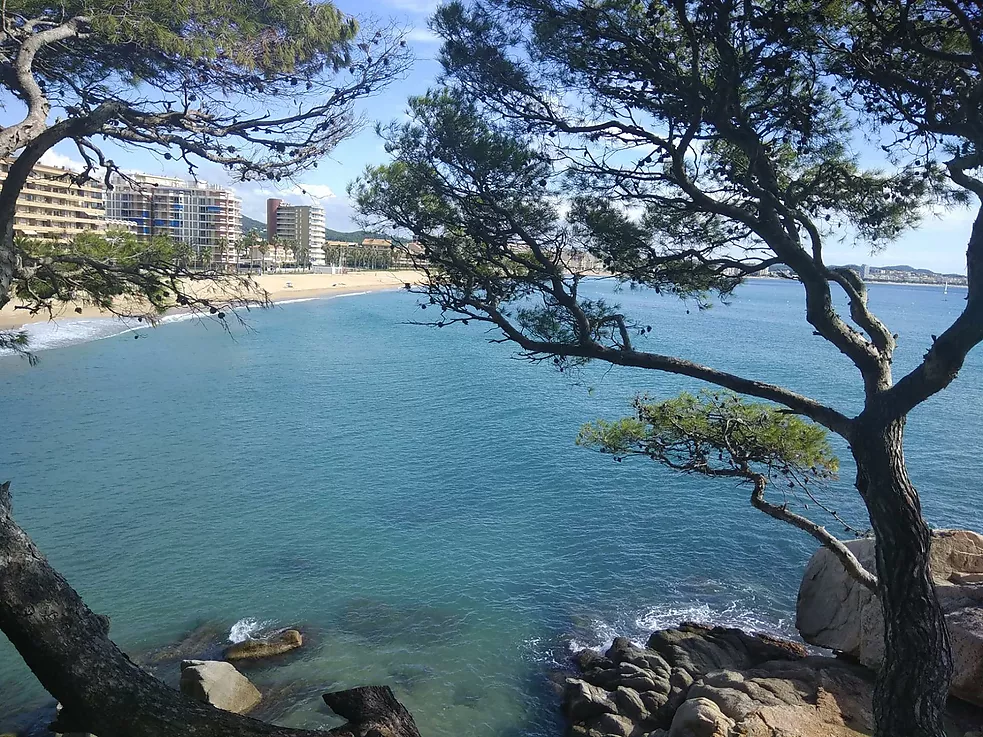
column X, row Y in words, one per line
column 276, row 285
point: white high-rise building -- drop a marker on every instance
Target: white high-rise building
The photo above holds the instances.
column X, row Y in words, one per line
column 297, row 225
column 205, row 216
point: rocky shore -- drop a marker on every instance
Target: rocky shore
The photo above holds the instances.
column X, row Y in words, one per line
column 693, row 680
column 703, row 681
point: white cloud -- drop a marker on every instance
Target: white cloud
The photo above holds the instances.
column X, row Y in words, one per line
column 53, row 158
column 423, row 35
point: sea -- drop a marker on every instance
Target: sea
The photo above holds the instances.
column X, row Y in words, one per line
column 412, row 499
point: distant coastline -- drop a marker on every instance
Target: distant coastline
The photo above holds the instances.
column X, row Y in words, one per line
column 868, row 282
column 303, row 286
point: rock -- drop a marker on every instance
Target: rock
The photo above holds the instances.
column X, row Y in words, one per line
column 630, row 704
column 834, row 611
column 582, row 701
column 624, row 650
column 698, row 649
column 656, row 703
column 679, row 683
column 589, row 659
column 700, row 718
column 811, row 697
column 630, row 676
column 219, row 684
column 278, row 644
column 611, row 724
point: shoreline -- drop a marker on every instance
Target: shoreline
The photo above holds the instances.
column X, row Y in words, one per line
column 304, row 286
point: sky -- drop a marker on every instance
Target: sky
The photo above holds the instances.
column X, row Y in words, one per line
column 939, row 244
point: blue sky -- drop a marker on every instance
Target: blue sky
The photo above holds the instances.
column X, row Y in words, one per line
column 939, row 244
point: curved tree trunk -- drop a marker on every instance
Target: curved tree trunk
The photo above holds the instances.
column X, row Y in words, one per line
column 913, row 682
column 101, row 691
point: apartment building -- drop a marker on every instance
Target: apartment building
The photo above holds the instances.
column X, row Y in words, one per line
column 205, row 216
column 301, row 225
column 51, row 205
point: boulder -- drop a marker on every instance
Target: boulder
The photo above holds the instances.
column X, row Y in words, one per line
column 700, row 718
column 278, row 644
column 624, row 650
column 836, row 612
column 219, row 684
column 811, row 697
column 611, row 724
column 698, row 649
column 630, row 704
column 629, row 675
column 582, row 701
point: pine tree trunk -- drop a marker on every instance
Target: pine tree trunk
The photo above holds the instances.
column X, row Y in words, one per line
column 913, row 682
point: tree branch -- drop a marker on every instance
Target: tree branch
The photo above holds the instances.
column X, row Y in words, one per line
column 38, row 106
column 843, row 554
column 816, row 411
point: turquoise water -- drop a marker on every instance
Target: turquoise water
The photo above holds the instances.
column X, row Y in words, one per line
column 412, row 497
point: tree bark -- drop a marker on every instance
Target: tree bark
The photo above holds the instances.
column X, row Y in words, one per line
column 913, row 681
column 101, row 691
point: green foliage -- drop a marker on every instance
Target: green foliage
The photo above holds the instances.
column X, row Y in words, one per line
column 267, row 37
column 684, row 146
column 718, row 434
column 101, row 268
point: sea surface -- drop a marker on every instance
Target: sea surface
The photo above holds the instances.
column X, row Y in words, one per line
column 412, row 498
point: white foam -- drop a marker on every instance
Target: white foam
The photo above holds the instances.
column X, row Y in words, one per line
column 45, row 336
column 731, row 615
column 638, row 626
column 247, row 627
column 313, row 299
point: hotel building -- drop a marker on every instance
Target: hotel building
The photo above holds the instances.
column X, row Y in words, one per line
column 53, row 206
column 301, row 225
column 205, row 216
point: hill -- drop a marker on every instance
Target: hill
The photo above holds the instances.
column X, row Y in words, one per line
column 251, row 224
column 904, row 268
column 355, row 236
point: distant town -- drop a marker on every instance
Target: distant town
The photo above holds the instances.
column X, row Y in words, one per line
column 893, row 274
column 209, row 218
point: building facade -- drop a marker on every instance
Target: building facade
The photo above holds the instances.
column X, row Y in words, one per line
column 205, row 216
column 299, row 225
column 52, row 206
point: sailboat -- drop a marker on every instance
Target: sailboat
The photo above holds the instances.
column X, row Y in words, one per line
column 945, row 287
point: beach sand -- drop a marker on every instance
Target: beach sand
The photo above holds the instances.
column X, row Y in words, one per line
column 302, row 286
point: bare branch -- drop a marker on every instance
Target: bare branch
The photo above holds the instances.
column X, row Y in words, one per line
column 843, row 554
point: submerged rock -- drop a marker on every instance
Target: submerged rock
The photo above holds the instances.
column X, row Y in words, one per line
column 219, row 684
column 836, row 612
column 277, row 644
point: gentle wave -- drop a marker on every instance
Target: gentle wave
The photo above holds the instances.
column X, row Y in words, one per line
column 46, row 336
column 247, row 628
column 638, row 626
column 315, row 299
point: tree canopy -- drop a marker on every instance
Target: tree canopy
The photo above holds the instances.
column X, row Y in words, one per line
column 687, row 146
column 263, row 90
